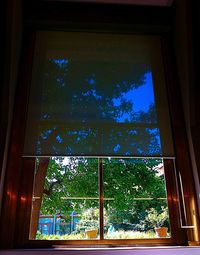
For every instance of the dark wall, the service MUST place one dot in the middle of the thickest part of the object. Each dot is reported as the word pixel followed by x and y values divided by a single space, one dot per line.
pixel 195 90
pixel 10 46
pixel 3 92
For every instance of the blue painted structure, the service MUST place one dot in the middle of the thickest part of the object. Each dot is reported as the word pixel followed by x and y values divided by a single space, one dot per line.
pixel 54 224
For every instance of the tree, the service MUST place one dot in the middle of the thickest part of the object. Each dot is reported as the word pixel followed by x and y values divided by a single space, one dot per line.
pixel 73 186
pixel 79 178
pixel 131 182
pixel 40 175
pixel 92 106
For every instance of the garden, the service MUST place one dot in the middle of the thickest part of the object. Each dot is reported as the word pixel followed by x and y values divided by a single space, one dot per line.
pixel 68 206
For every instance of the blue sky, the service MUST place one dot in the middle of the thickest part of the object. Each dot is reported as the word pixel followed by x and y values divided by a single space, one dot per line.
pixel 141 97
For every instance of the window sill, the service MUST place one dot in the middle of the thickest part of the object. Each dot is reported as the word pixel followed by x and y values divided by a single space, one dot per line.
pixel 178 250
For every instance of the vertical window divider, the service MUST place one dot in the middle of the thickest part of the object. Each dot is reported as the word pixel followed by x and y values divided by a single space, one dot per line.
pixel 101 224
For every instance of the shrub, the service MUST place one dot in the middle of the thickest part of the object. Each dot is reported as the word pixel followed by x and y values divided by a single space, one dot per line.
pixel 89 220
pixel 157 219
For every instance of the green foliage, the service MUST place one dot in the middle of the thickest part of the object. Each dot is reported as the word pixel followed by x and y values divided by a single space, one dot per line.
pixel 126 181
pixel 157 219
pixel 76 236
pixel 89 220
pixel 130 235
pixel 79 178
pixel 116 235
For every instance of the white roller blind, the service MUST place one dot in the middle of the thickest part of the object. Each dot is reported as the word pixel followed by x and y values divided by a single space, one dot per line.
pixel 97 94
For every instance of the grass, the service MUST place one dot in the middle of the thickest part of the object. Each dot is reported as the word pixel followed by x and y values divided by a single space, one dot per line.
pixel 116 235
pixel 130 235
pixel 40 236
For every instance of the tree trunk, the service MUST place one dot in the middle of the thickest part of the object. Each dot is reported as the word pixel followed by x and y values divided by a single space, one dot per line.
pixel 37 195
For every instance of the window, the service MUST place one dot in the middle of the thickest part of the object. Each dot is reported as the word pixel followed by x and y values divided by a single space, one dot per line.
pixel 99 198
pixel 97 121
pixel 119 132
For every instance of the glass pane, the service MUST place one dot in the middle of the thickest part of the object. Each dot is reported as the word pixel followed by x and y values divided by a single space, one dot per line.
pixel 66 199
pixel 123 140
pixel 135 203
pixel 89 88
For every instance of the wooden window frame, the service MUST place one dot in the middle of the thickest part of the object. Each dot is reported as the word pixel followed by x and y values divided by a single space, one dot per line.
pixel 16 204
pixel 25 204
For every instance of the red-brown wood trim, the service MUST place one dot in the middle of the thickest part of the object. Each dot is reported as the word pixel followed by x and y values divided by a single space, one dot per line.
pixel 183 163
pixel 98 243
pixel 13 170
pixel 24 201
pixel 101 207
pixel 178 235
